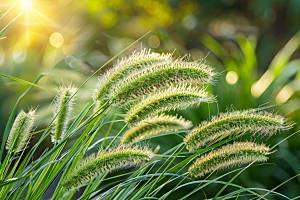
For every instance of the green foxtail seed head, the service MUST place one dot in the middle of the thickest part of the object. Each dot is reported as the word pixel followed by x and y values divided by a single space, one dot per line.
pixel 113 160
pixel 19 133
pixel 231 155
pixel 63 111
pixel 122 68
pixel 172 98
pixel 160 75
pixel 235 123
pixel 155 125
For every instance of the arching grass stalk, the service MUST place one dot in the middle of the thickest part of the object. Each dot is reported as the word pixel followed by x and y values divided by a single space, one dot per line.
pixel 123 67
pixel 155 125
pixel 110 161
pixel 235 123
pixel 20 131
pixel 160 75
pixel 172 98
pixel 238 153
pixel 62 111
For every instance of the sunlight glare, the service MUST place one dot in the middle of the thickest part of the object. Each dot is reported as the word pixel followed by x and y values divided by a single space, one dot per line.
pixel 26 4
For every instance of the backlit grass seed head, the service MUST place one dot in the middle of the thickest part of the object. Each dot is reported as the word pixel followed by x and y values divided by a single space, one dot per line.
pixel 160 75
pixel 124 67
pixel 110 161
pixel 235 123
pixel 172 98
pixel 155 125
pixel 228 156
pixel 19 133
pixel 63 111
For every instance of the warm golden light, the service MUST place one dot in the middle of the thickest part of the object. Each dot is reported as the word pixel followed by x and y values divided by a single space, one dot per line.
pixel 26 4
pixel 56 40
pixel 232 77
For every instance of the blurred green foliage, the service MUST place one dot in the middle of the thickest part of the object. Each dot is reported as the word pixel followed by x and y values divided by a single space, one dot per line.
pixel 253 44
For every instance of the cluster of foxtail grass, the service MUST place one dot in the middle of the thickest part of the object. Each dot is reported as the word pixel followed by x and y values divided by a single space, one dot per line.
pixel 232 124
pixel 148 84
pixel 145 85
pixel 121 69
pixel 152 88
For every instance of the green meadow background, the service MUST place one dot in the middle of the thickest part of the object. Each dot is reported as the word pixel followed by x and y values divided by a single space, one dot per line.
pixel 253 44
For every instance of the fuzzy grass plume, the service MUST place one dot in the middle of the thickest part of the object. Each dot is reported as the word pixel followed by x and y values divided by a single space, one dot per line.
pixel 160 75
pixel 19 133
pixel 113 160
pixel 228 156
pixel 235 123
pixel 123 67
pixel 172 98
pixel 155 125
pixel 62 111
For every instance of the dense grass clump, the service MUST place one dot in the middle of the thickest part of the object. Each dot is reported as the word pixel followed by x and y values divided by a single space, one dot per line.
pixel 139 89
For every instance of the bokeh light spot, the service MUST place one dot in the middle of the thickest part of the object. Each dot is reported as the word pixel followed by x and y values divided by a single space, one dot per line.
pixel 94 6
pixel 68 59
pixel 109 19
pixel 153 41
pixel 232 77
pixel 189 22
pixel 56 40
pixel 75 63
pixel 224 28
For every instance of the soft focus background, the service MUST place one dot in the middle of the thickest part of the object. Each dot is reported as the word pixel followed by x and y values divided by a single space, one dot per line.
pixel 254 44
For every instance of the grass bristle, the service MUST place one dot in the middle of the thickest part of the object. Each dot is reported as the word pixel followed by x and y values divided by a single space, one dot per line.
pixel 124 67
pixel 172 98
pixel 155 125
pixel 106 161
pixel 160 75
pixel 234 124
pixel 228 156
pixel 62 111
pixel 19 133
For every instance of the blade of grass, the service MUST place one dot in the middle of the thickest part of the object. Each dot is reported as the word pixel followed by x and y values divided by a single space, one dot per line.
pixel 222 189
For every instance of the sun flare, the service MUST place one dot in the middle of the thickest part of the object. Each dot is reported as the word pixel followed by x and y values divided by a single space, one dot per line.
pixel 26 4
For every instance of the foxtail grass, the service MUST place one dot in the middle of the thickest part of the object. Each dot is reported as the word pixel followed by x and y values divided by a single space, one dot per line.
pixel 121 69
pixel 159 75
pixel 172 98
pixel 234 124
pixel 106 161
pixel 155 125
pixel 228 156
pixel 62 110
pixel 20 131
